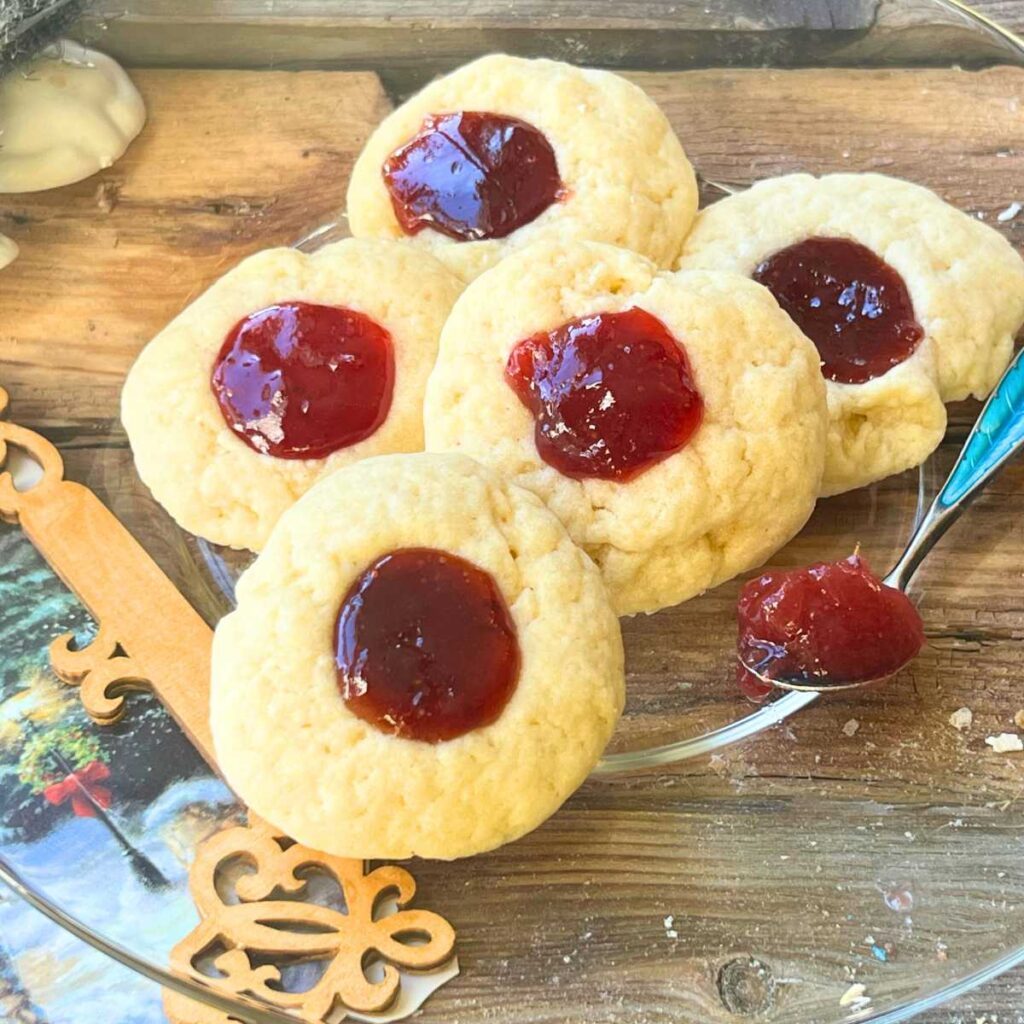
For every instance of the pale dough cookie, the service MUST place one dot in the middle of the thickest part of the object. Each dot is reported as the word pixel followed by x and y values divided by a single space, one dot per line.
pixel 197 467
pixel 965 281
pixel 627 180
pixel 65 116
pixel 288 743
pixel 740 488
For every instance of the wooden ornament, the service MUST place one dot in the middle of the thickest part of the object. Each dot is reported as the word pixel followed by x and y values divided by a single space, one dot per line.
pixel 253 920
pixel 150 638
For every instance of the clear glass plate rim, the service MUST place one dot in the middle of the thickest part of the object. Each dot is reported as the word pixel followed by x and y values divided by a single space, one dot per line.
pixel 627 761
pixel 260 1013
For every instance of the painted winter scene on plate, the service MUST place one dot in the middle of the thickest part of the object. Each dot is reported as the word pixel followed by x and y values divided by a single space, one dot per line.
pixel 102 820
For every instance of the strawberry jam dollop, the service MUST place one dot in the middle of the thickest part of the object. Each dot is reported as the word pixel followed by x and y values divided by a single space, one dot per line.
pixel 471 176
pixel 848 301
pixel 829 624
pixel 299 380
pixel 611 394
pixel 754 689
pixel 425 646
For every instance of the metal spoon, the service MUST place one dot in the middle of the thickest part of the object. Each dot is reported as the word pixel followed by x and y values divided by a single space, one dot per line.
pixel 996 437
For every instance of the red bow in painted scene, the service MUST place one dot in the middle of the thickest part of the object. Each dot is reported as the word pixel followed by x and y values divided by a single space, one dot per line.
pixel 79 783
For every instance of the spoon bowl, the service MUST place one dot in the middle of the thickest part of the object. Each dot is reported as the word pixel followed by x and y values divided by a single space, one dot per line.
pixel 995 439
pixel 802 686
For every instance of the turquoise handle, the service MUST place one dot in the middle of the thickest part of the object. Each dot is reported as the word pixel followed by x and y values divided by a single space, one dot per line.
pixel 997 434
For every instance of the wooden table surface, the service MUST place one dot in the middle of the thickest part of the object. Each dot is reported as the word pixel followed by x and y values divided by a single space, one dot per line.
pixel 188 200
pixel 1000 1001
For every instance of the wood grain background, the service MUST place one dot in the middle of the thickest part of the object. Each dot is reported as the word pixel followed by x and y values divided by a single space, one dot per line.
pixel 232 161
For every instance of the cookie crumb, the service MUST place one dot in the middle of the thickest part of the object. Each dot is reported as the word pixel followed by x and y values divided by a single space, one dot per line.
pixel 961 719
pixel 1009 213
pixel 1018 719
pixel 854 996
pixel 107 195
pixel 1005 742
pixel 851 727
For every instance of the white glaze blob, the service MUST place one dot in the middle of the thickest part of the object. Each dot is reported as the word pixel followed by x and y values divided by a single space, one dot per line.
pixel 64 116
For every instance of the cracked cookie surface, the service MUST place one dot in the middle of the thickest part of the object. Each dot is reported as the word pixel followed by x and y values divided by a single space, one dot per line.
pixel 743 484
pixel 964 279
pixel 199 468
pixel 290 746
pixel 625 177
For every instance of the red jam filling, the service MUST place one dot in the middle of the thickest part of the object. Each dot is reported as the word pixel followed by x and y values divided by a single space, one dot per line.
pixel 426 648
pixel 829 624
pixel 299 381
pixel 611 394
pixel 849 302
pixel 755 690
pixel 472 176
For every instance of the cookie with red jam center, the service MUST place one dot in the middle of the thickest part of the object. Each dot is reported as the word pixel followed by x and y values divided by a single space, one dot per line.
pixel 288 368
pixel 421 662
pixel 910 303
pixel 655 413
pixel 504 152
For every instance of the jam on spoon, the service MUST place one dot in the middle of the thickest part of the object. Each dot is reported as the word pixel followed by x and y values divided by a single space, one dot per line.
pixel 832 624
pixel 611 394
pixel 299 380
pixel 472 175
pixel 848 301
pixel 425 646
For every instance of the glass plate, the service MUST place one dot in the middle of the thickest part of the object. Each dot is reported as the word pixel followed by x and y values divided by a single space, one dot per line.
pixel 864 841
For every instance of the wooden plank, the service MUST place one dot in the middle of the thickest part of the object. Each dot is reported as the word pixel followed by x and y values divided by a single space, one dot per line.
pixel 272 157
pixel 389 35
pixel 958 132
pixel 754 16
pixel 1008 13
pixel 228 163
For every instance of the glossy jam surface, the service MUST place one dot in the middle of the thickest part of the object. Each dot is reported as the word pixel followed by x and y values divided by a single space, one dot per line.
pixel 299 381
pixel 829 624
pixel 755 690
pixel 425 646
pixel 611 394
pixel 849 302
pixel 472 175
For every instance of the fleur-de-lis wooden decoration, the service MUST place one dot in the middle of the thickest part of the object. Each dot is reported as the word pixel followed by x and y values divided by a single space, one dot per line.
pixel 254 921
pixel 149 637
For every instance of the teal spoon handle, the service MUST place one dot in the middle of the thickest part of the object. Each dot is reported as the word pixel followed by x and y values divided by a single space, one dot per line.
pixel 997 436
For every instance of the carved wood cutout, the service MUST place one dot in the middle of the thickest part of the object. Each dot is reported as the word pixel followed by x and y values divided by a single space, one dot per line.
pixel 150 638
pixel 252 930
